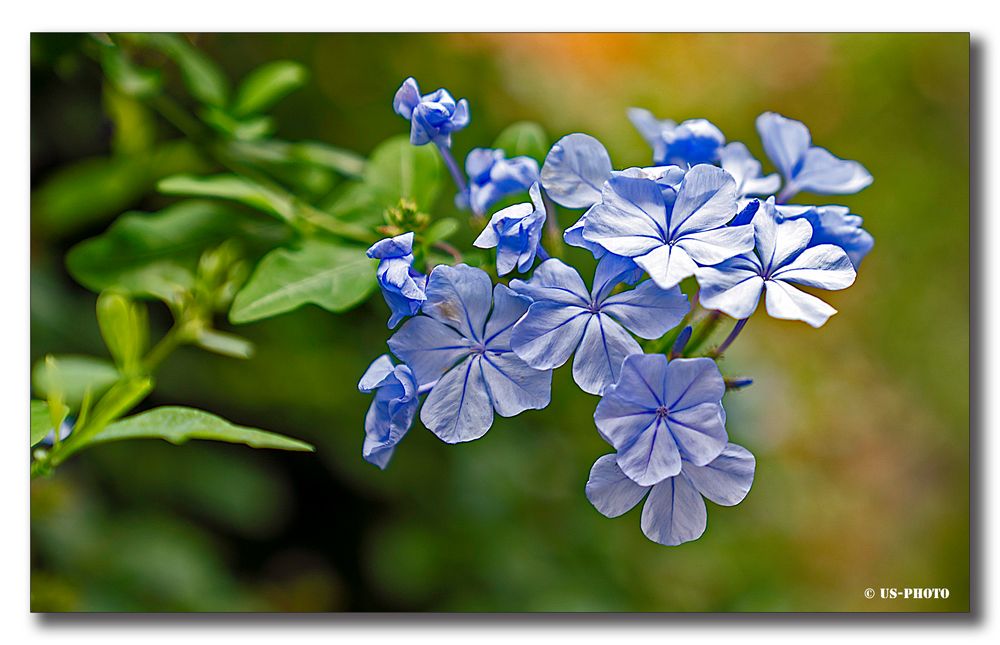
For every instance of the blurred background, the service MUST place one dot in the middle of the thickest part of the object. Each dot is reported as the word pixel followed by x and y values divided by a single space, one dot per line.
pixel 860 429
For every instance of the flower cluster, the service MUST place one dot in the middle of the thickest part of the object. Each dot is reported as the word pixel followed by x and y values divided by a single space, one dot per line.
pixel 700 233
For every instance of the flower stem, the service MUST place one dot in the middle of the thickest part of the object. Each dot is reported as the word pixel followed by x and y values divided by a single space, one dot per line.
pixel 449 160
pixel 702 332
pixel 542 254
pixel 718 351
pixel 455 254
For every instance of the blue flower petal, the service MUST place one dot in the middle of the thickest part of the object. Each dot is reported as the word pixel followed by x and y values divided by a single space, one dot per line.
pixel 691 382
pixel 631 219
pixel 549 333
pixel 727 479
pixel 746 171
pixel 600 354
pixel 788 303
pixel 667 265
pixel 706 199
pixel 392 247
pixel 513 385
pixel 460 297
pixel 407 97
pixel 574 171
pixel 732 287
pixel 674 512
pixel 825 267
pixel 458 408
pixel 714 246
pixel 429 347
pixel 699 431
pixel 833 225
pixel 554 280
pixel 822 172
pixel 785 141
pixel 610 490
pixel 508 307
pixel 648 311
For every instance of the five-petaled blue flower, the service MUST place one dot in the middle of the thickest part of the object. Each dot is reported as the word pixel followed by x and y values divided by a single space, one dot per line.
pixel 659 412
pixel 402 286
pixel 565 318
pixel 692 142
pixel 782 257
pixel 669 232
pixel 462 352
pixel 674 512
pixel 516 232
pixel 433 117
pixel 392 410
pixel 492 177
pixel 833 225
pixel 804 166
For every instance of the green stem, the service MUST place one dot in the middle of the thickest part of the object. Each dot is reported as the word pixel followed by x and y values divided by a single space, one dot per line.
pixel 703 332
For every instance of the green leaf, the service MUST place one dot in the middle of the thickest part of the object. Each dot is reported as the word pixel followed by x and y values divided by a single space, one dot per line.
pixel 100 187
pixel 442 229
pixel 313 153
pixel 178 424
pixel 398 169
pixel 524 138
pixel 225 344
pixel 128 78
pixel 247 129
pixel 73 377
pixel 268 84
pixel 232 187
pixel 152 254
pixel 333 276
pixel 203 77
pixel 134 127
pixel 125 328
pixel 41 421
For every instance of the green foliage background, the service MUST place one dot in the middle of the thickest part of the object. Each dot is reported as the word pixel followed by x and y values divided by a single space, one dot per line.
pixel 861 429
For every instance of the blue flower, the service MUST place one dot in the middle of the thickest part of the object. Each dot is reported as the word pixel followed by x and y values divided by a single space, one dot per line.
pixel 659 412
pixel 782 258
pixel 693 142
pixel 804 166
pixel 833 225
pixel 461 351
pixel 669 178
pixel 392 410
pixel 492 177
pixel 674 512
pixel 433 117
pixel 738 162
pixel 402 286
pixel 565 318
pixel 575 169
pixel 669 232
pixel 516 232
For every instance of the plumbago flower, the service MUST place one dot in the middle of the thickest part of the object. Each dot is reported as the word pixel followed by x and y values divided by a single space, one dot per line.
pixel 674 512
pixel 515 232
pixel 805 166
pixel 659 412
pixel 565 318
pixel 693 142
pixel 666 232
pixel 402 286
pixel 493 177
pixel 461 351
pixel 392 410
pixel 782 257
pixel 433 117
pixel 705 209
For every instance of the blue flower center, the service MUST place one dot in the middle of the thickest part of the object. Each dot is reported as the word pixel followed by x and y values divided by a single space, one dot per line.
pixel 479 348
pixel 662 411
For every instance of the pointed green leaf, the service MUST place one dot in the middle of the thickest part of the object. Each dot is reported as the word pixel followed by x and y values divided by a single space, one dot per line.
pixel 398 169
pixel 268 84
pixel 224 344
pixel 203 77
pixel 178 424
pixel 333 276
pixel 153 254
pixel 41 421
pixel 524 138
pixel 73 376
pixel 232 187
